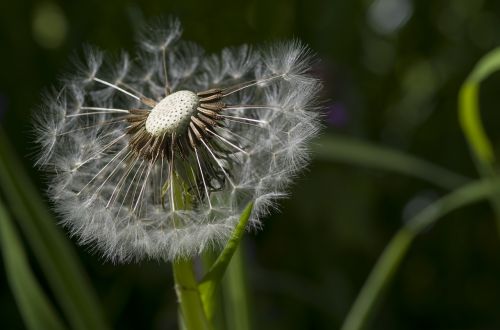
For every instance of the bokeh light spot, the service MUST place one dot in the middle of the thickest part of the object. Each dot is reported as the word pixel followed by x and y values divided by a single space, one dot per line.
pixel 49 25
pixel 388 16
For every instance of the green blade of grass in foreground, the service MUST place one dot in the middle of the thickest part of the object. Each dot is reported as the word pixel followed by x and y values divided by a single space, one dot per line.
pixel 236 300
pixel 470 120
pixel 357 152
pixel 214 275
pixel 52 250
pixel 36 310
pixel 387 265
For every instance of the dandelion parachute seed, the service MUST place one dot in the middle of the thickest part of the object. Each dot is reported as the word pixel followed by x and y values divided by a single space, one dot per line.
pixel 157 158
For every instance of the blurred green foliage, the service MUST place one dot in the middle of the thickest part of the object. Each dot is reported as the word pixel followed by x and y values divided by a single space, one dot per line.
pixel 392 71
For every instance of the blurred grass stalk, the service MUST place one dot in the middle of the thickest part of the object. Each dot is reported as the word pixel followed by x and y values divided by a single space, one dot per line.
pixel 52 250
pixel 384 270
pixel 470 120
pixel 35 308
pixel 366 154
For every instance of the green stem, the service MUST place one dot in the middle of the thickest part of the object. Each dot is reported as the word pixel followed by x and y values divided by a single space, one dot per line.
pixel 213 277
pixel 235 293
pixel 215 315
pixel 188 295
pixel 192 312
pixel 388 263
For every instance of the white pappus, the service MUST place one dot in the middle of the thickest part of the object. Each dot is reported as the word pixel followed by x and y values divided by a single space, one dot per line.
pixel 157 157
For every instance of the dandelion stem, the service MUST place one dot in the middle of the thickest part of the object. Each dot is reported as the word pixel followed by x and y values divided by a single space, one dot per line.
pixel 188 295
pixel 186 286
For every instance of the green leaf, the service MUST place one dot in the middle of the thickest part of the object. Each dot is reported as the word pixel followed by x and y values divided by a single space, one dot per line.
pixel 214 275
pixel 351 151
pixel 387 265
pixel 470 120
pixel 52 250
pixel 36 310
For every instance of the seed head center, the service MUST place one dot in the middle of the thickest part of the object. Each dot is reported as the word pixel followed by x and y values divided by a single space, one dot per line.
pixel 172 114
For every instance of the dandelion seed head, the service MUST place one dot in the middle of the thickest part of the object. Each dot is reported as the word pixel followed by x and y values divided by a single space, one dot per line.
pixel 157 155
pixel 172 114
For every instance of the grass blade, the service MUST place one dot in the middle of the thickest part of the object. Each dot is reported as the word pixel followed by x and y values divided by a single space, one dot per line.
pixel 351 151
pixel 52 250
pixel 387 265
pixel 470 120
pixel 36 310
pixel 235 292
pixel 213 277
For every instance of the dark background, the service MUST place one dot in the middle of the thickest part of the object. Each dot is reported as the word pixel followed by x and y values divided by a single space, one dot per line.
pixel 392 70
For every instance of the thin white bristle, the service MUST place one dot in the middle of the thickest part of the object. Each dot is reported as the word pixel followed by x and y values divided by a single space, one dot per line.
pixel 117 88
